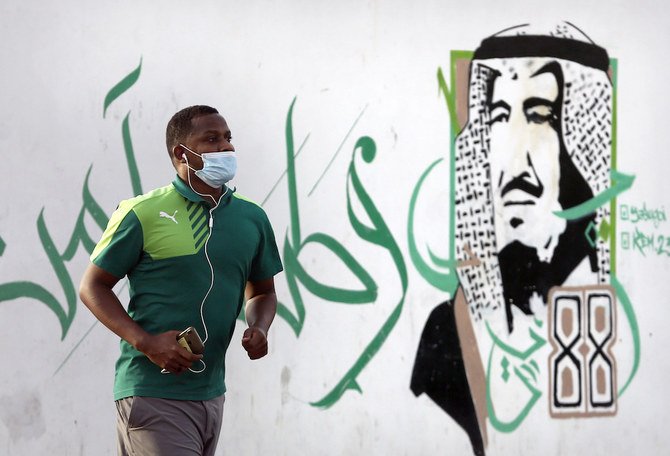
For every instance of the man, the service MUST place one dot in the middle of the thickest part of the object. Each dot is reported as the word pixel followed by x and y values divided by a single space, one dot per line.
pixel 533 179
pixel 193 252
pixel 537 143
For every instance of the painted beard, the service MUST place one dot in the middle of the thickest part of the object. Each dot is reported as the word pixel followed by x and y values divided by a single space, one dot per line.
pixel 523 274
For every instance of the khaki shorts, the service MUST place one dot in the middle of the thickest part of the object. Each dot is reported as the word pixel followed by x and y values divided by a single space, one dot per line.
pixel 149 426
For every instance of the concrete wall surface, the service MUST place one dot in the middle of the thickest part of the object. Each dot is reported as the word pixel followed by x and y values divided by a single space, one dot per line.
pixel 360 109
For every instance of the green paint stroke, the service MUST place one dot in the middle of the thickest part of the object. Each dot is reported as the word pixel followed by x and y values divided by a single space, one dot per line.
pixel 76 346
pixel 295 321
pixel 450 99
pixel 347 296
pixel 130 157
pixel 448 280
pixel 80 235
pixel 538 342
pixel 118 90
pixel 530 372
pixel 509 426
pixel 620 183
pixel 445 281
pixel 614 65
pixel 291 176
pixel 634 329
pixel 25 289
pixel 30 290
pixel 295 271
pixel 378 234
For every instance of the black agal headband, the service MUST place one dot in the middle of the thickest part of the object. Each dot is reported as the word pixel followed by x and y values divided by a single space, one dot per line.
pixel 543 46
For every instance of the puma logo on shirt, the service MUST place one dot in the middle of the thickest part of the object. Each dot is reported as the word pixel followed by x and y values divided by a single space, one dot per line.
pixel 168 216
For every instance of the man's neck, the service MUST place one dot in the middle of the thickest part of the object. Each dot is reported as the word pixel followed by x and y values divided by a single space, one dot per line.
pixel 209 194
pixel 213 195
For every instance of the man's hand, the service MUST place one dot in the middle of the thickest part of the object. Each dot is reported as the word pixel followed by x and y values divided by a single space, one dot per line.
pixel 96 292
pixel 259 311
pixel 164 351
pixel 255 342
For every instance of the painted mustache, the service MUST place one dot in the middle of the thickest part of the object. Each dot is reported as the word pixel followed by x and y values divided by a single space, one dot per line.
pixel 525 182
pixel 522 183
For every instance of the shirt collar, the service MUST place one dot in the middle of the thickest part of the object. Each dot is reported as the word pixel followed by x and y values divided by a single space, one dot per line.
pixel 188 193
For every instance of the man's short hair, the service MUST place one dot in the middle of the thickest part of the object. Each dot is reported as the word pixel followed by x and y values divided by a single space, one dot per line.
pixel 179 126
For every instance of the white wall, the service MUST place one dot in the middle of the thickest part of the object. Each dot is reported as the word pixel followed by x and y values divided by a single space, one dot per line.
pixel 340 60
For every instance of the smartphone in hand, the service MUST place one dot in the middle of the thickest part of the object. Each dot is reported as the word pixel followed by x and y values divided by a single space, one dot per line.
pixel 191 341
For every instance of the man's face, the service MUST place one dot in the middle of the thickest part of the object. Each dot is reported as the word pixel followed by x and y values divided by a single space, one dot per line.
pixel 524 154
pixel 210 133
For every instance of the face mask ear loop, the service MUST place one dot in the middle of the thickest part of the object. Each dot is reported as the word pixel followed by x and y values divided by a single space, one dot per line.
pixel 216 203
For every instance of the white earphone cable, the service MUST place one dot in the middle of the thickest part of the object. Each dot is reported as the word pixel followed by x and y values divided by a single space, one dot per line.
pixel 209 262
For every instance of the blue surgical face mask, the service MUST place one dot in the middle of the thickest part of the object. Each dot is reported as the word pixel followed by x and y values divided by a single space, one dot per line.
pixel 218 167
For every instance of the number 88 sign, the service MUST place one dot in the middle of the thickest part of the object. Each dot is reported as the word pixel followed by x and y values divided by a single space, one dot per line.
pixel 582 368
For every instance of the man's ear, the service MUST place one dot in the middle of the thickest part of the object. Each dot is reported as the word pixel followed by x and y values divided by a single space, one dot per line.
pixel 178 153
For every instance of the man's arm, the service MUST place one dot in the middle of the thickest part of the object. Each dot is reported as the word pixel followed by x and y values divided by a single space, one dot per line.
pixel 260 309
pixel 96 292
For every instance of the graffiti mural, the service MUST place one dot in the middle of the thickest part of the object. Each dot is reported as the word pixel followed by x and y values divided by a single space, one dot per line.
pixel 370 226
pixel 80 235
pixel 537 305
pixel 535 310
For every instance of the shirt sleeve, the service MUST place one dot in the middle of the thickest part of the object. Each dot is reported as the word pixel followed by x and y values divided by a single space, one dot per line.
pixel 267 262
pixel 120 247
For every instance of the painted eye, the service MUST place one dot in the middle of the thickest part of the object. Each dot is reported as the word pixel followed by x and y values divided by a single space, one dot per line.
pixel 540 114
pixel 498 114
pixel 499 117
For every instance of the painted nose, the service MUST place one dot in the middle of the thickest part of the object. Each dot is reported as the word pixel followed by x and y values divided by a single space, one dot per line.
pixel 524 179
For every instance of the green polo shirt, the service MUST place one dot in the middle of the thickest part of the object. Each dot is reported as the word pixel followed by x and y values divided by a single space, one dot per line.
pixel 182 258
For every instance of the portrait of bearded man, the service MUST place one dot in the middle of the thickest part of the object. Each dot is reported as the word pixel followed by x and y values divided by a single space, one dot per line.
pixel 537 143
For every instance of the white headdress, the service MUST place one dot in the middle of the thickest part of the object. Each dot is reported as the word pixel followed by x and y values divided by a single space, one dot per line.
pixel 586 117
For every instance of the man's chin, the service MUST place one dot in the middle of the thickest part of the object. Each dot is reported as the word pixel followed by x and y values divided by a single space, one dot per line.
pixel 523 275
pixel 534 235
